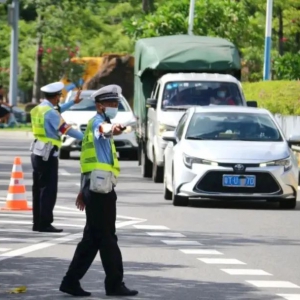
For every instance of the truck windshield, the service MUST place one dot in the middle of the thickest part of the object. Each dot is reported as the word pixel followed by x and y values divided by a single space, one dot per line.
pixel 181 93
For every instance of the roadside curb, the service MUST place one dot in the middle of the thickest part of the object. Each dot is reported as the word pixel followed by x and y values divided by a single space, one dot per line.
pixel 11 134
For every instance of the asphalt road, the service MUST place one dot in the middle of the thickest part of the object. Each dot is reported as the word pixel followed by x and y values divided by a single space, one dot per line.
pixel 209 250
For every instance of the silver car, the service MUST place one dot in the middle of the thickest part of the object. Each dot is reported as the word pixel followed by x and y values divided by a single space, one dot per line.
pixel 229 152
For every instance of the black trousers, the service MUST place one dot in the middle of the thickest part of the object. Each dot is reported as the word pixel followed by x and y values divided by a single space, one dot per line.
pixel 99 235
pixel 44 189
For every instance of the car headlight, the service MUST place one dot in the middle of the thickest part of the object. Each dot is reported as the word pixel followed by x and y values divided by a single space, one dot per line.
pixel 286 163
pixel 163 128
pixel 189 161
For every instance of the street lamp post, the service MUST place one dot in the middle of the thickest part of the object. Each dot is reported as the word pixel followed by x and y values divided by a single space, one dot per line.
pixel 268 41
pixel 13 18
pixel 191 17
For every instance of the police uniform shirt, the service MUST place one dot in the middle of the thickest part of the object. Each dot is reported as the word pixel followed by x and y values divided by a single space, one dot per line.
pixel 55 125
pixel 101 141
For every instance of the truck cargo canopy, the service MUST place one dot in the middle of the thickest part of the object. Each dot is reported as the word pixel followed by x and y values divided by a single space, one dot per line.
pixel 185 53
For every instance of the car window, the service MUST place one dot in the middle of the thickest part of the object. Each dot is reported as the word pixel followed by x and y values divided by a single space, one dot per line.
pixel 88 104
pixel 180 127
pixel 233 126
pixel 179 93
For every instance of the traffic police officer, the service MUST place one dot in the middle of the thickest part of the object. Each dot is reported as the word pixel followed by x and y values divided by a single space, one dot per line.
pixel 99 168
pixel 47 127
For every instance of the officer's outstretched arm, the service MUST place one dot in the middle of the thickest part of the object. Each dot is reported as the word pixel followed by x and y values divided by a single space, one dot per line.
pixel 75 134
pixel 59 124
pixel 66 106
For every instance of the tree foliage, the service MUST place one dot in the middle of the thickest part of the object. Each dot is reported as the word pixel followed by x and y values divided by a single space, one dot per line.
pixel 97 26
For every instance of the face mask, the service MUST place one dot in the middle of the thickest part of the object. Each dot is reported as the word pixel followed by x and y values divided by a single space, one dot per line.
pixel 221 94
pixel 111 112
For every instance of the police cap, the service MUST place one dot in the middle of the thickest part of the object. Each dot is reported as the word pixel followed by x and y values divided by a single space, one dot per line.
pixel 110 92
pixel 53 89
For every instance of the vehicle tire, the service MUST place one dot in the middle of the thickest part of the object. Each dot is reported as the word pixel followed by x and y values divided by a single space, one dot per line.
pixel 180 200
pixel 133 154
pixel 288 203
pixel 157 172
pixel 64 154
pixel 167 192
pixel 146 165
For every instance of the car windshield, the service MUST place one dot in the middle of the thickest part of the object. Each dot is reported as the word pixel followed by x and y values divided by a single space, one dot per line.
pixel 233 126
pixel 181 93
pixel 88 104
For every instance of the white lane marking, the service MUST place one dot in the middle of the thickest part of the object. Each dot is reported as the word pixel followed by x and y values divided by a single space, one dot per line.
pixel 64 172
pixel 272 284
pixel 201 251
pixel 290 296
pixel 166 234
pixel 180 242
pixel 52 242
pixel 4 249
pixel 30 216
pixel 246 272
pixel 26 240
pixel 39 246
pixel 9 230
pixel 30 223
pixel 127 223
pixel 131 218
pixel 222 261
pixel 67 208
pixel 150 227
pixel 78 184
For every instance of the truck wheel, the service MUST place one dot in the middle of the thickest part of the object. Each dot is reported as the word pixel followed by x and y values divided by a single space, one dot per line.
pixel 146 165
pixel 157 172
pixel 64 154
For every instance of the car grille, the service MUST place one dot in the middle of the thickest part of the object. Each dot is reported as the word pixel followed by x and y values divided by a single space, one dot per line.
pixel 83 128
pixel 212 182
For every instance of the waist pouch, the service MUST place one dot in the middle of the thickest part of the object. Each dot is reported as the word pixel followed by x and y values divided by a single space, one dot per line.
pixel 102 181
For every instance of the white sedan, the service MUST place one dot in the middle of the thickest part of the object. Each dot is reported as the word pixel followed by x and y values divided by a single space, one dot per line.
pixel 230 153
pixel 79 115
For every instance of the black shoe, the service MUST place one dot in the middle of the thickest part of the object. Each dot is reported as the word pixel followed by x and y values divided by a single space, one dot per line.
pixel 122 290
pixel 35 228
pixel 76 291
pixel 50 229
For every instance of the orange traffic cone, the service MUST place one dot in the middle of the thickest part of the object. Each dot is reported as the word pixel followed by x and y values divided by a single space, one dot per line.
pixel 16 197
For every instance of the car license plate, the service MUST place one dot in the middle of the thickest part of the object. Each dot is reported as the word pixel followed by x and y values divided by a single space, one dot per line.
pixel 239 180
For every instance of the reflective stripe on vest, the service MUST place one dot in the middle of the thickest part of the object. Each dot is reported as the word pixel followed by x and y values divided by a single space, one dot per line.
pixel 38 125
pixel 88 157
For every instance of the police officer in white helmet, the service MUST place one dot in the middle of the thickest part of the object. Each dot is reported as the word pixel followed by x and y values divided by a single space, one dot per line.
pixel 100 169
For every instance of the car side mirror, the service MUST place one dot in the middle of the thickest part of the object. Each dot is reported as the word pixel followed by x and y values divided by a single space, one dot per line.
pixel 294 139
pixel 252 103
pixel 151 103
pixel 169 136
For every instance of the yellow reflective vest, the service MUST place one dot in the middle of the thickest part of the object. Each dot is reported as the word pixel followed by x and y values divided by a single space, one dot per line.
pixel 88 158
pixel 38 125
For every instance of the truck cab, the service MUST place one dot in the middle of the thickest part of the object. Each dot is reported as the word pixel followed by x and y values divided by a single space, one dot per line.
pixel 172 95
pixel 172 73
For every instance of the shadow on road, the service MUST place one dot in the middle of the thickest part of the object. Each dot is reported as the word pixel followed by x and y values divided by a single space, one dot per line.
pixel 42 277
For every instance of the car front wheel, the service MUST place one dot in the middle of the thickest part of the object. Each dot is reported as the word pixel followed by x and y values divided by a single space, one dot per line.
pixel 64 154
pixel 288 203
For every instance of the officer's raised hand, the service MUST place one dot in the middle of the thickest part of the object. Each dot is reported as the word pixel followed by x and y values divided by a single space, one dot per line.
pixel 77 98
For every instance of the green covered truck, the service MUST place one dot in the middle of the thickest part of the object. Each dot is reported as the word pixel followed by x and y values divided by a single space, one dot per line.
pixel 172 73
